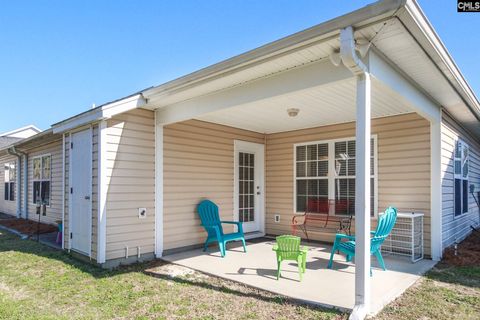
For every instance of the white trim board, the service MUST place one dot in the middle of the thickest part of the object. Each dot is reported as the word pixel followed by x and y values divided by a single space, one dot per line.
pixel 158 189
pixel 102 192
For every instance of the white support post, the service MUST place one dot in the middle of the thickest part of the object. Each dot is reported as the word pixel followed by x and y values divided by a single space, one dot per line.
pixel 18 185
pixel 362 198
pixel 436 189
pixel 362 180
pixel 25 185
pixel 102 193
pixel 158 188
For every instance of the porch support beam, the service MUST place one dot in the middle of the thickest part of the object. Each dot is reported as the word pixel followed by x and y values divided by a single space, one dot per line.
pixel 301 78
pixel 158 189
pixel 436 190
pixel 386 72
pixel 362 167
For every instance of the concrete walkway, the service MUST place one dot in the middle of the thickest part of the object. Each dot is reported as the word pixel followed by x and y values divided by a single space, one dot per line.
pixel 331 288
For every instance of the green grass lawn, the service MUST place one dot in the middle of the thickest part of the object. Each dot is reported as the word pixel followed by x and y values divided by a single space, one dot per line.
pixel 37 282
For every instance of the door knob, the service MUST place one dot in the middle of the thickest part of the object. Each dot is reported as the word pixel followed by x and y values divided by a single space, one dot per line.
pixel 87 197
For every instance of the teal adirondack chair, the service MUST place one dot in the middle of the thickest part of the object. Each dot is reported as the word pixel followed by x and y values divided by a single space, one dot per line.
pixel 208 212
pixel 288 248
pixel 385 225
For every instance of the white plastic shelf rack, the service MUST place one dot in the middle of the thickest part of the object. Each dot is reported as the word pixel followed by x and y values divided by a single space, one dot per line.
pixel 406 238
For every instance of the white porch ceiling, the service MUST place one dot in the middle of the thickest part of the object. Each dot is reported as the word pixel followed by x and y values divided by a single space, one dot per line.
pixel 324 105
pixel 399 40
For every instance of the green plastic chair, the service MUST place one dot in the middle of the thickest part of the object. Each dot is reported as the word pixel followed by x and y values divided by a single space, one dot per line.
pixel 386 222
pixel 288 248
pixel 208 212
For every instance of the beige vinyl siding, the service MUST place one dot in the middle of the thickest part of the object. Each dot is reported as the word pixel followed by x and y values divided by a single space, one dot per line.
pixel 403 169
pixel 131 183
pixel 7 206
pixel 198 164
pixel 54 210
pixel 456 228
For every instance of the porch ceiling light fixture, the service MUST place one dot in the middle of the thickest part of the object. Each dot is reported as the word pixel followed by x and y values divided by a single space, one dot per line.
pixel 293 112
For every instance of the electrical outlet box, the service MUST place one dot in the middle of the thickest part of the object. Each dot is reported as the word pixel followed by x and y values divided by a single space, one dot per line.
pixel 277 218
pixel 142 213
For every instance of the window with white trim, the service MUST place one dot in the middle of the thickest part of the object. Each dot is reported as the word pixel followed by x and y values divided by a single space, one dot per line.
pixel 42 179
pixel 10 172
pixel 461 161
pixel 326 170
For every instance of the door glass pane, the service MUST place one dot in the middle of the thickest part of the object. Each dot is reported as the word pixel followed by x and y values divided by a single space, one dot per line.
pixel 246 192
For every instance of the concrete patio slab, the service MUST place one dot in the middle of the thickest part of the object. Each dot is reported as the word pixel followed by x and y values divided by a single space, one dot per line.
pixel 321 286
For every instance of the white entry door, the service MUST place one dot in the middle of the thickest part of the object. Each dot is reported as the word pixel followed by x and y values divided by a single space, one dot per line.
pixel 81 191
pixel 249 185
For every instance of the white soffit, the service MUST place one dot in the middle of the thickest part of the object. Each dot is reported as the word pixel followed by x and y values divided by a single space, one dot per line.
pixel 324 105
pixel 395 43
pixel 283 62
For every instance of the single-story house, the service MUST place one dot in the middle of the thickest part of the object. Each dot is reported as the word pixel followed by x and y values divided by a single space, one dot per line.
pixel 368 107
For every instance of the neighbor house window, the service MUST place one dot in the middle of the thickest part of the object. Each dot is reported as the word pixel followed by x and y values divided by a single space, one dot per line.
pixel 10 173
pixel 325 173
pixel 41 179
pixel 461 160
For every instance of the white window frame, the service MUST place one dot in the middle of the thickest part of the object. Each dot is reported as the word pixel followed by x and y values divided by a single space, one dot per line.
pixel 331 169
pixel 41 178
pixel 460 176
pixel 10 181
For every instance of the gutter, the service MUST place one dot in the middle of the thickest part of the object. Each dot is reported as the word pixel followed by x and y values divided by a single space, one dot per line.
pixel 14 152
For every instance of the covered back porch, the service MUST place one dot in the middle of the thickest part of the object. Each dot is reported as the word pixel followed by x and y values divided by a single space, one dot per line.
pixel 333 120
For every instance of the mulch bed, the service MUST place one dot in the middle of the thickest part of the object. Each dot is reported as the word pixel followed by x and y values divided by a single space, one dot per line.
pixel 27 227
pixel 468 252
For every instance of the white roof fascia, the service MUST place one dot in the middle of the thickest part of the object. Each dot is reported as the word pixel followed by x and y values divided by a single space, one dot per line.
pixel 364 16
pixel 436 50
pixel 31 127
pixel 100 113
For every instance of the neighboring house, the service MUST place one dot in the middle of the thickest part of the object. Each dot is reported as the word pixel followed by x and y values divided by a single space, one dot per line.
pixel 21 133
pixel 126 177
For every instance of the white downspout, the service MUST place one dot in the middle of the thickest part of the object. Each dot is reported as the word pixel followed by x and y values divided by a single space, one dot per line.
pixel 362 182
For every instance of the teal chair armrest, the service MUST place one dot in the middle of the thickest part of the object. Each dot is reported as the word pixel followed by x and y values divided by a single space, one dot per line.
pixel 340 236
pixel 275 247
pixel 239 225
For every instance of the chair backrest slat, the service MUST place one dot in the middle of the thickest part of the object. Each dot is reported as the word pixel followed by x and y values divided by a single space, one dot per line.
pixel 386 222
pixel 287 243
pixel 208 212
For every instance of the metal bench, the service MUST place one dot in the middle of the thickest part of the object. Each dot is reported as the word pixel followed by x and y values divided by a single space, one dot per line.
pixel 320 214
